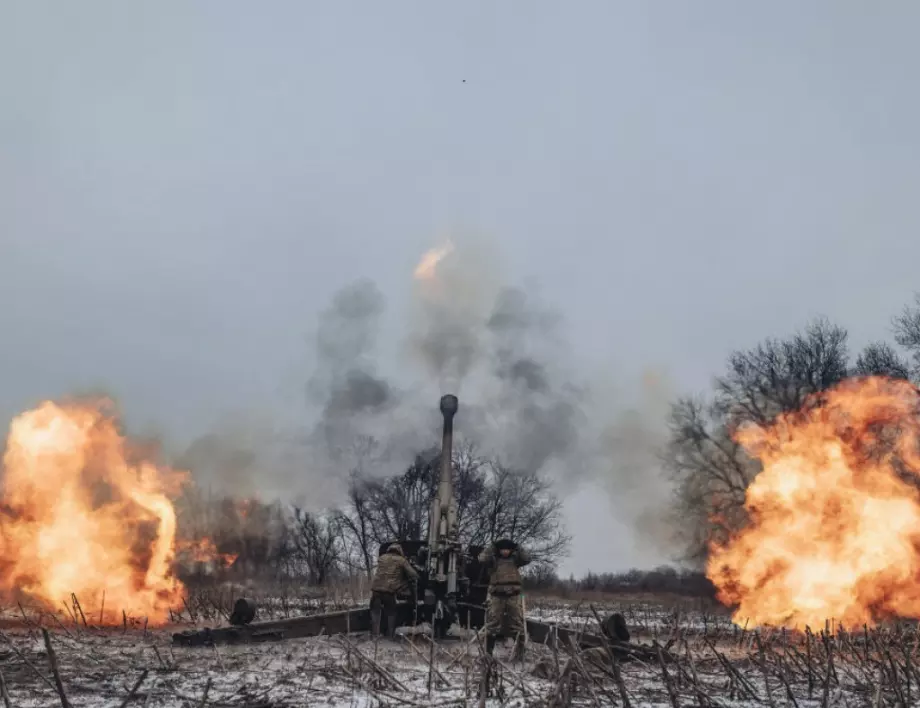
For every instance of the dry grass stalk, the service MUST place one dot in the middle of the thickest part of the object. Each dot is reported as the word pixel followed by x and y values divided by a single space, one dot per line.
pixel 52 660
pixel 134 689
pixel 4 693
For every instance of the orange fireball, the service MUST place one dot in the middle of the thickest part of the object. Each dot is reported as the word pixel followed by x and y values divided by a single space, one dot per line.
pixel 834 515
pixel 79 516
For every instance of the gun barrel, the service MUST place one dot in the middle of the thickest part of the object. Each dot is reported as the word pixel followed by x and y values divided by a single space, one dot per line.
pixel 449 406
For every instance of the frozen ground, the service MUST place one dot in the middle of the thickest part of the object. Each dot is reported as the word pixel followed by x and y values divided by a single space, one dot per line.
pixel 646 617
pixel 714 664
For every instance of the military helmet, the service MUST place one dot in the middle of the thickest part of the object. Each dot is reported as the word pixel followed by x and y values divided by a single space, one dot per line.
pixel 395 548
pixel 505 544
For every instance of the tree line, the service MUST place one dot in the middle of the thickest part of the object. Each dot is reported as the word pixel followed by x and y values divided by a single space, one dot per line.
pixel 274 540
pixel 711 471
pixel 662 580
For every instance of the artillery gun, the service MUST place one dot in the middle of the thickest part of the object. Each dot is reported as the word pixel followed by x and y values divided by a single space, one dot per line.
pixel 452 587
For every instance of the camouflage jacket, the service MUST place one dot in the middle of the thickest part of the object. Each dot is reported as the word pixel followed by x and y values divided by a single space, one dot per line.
pixel 392 574
pixel 505 574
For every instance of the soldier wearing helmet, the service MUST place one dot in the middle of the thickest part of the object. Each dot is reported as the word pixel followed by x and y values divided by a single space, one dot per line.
pixel 504 616
pixel 392 574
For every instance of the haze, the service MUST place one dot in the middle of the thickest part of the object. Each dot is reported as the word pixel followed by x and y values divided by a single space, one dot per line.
pixel 184 187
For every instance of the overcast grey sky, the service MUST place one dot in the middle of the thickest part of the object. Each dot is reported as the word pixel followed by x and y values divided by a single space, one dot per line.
pixel 184 185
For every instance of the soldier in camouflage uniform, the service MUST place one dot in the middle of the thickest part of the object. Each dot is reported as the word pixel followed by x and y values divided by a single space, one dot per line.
pixel 393 573
pixel 504 615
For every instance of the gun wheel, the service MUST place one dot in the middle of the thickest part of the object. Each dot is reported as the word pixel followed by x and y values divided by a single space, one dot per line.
pixel 615 627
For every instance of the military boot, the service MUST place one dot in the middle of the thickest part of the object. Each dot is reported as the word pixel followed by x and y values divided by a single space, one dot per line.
pixel 391 625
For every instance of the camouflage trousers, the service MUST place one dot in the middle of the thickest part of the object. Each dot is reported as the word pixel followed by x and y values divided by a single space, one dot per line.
pixel 383 604
pixel 504 616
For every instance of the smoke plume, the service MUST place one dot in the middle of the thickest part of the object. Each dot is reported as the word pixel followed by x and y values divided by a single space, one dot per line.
pixel 630 467
pixel 526 400
pixel 455 289
pixel 523 398
pixel 364 421
pixel 345 384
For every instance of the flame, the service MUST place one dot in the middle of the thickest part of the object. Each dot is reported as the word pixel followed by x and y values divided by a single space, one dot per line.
pixel 79 516
pixel 834 514
pixel 204 550
pixel 427 266
pixel 244 507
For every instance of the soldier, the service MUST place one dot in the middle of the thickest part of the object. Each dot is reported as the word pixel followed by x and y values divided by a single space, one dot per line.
pixel 392 574
pixel 504 616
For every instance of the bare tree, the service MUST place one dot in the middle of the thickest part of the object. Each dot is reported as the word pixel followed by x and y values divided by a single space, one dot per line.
pixel 778 375
pixel 470 483
pixel 711 471
pixel 355 526
pixel 317 541
pixel 399 505
pixel 880 359
pixel 492 501
pixel 907 331
pixel 521 505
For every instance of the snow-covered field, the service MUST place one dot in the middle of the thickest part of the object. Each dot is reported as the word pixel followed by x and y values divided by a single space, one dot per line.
pixel 712 663
pixel 645 616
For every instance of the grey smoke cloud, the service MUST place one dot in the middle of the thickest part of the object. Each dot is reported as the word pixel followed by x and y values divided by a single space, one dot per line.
pixel 253 456
pixel 630 468
pixel 345 384
pixel 532 403
pixel 524 399
pixel 363 419
pixel 502 349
